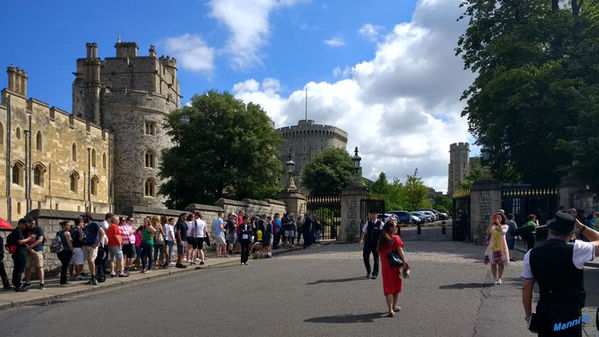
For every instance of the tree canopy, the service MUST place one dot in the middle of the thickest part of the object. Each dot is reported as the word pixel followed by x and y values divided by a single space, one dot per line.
pixel 222 148
pixel 535 101
pixel 329 172
pixel 411 195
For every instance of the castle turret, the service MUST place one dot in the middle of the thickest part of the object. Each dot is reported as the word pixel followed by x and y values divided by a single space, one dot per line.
pixel 17 80
pixel 134 93
pixel 459 165
pixel 304 140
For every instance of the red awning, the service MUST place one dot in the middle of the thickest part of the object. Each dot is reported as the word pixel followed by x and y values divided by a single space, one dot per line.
pixel 5 224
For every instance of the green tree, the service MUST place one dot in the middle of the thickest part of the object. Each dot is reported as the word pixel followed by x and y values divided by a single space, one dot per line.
pixel 393 192
pixel 536 92
pixel 416 193
pixel 470 179
pixel 222 148
pixel 442 204
pixel 329 172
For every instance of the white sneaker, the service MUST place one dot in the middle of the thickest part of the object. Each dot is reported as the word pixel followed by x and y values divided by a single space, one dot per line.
pixel 499 281
pixel 495 282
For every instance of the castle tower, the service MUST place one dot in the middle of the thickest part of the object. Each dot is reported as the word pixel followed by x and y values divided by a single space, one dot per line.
pixel 304 141
pixel 459 165
pixel 129 95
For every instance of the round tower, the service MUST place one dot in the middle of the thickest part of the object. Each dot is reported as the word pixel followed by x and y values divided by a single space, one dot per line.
pixel 136 93
pixel 459 165
pixel 305 140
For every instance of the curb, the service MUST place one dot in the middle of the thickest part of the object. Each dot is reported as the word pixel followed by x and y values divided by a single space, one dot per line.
pixel 45 300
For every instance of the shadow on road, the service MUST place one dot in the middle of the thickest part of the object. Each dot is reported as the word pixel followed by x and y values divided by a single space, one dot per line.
pixel 364 318
pixel 350 279
pixel 466 286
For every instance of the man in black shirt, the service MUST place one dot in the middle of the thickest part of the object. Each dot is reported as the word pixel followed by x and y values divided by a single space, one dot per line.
pixel 19 256
pixel 371 231
pixel 181 237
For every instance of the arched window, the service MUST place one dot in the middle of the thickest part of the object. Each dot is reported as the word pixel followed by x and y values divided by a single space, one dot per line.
pixel 74 152
pixel 150 188
pixel 94 186
pixel 18 132
pixel 150 159
pixel 38 141
pixel 104 160
pixel 38 175
pixel 17 173
pixel 93 157
pixel 74 179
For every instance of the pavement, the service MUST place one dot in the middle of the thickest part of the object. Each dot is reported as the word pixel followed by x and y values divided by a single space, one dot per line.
pixel 55 292
pixel 320 291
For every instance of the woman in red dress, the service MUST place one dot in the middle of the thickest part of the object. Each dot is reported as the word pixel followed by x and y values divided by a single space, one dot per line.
pixel 391 281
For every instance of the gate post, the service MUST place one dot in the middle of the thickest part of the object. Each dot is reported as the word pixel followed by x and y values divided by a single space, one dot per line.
pixel 485 200
pixel 351 202
pixel 295 201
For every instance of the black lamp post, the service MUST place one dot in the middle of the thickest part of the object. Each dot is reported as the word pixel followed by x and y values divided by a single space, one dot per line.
pixel 290 165
pixel 357 169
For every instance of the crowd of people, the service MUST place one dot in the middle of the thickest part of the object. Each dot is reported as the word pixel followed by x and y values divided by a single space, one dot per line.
pixel 115 247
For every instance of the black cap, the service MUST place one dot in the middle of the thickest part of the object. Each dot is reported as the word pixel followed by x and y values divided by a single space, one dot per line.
pixel 22 221
pixel 373 211
pixel 87 215
pixel 564 223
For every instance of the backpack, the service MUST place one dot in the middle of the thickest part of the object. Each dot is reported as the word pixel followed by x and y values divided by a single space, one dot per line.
pixel 56 245
pixel 11 243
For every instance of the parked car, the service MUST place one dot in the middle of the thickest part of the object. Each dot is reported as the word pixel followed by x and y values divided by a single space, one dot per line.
pixel 402 216
pixel 386 217
pixel 423 217
pixel 431 215
pixel 443 216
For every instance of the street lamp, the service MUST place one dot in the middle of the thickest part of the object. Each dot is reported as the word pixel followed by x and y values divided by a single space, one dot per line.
pixel 290 164
pixel 356 161
pixel 485 155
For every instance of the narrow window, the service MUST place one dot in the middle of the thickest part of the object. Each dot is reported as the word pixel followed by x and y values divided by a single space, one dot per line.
pixel 93 158
pixel 150 188
pixel 38 175
pixel 94 187
pixel 18 133
pixel 74 152
pixel 1 134
pixel 74 179
pixel 150 128
pixel 150 159
pixel 38 141
pixel 104 160
pixel 17 174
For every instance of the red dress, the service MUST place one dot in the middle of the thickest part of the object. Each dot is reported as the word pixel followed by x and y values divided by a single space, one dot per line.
pixel 391 279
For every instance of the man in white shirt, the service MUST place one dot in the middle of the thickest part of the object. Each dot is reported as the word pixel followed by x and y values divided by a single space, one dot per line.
pixel 371 232
pixel 199 233
pixel 557 266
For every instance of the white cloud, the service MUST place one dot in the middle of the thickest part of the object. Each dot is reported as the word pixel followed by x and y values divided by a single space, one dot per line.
pixel 371 32
pixel 334 42
pixel 401 107
pixel 247 21
pixel 342 72
pixel 191 52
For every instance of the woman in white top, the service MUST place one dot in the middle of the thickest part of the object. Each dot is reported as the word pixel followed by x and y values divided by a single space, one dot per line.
pixel 169 239
pixel 497 253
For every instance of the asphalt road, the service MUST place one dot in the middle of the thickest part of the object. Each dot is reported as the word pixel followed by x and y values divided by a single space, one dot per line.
pixel 320 291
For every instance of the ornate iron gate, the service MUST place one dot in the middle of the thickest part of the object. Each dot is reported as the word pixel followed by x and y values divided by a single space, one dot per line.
pixel 522 201
pixel 328 210
pixel 372 202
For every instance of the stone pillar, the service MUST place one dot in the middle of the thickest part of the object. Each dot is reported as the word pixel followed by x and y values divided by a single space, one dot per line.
pixel 295 201
pixel 351 200
pixel 573 193
pixel 485 200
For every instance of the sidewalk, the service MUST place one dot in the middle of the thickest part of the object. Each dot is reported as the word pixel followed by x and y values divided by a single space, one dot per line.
pixel 55 292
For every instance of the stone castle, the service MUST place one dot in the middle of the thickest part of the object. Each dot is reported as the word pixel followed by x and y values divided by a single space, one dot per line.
pixel 460 165
pixel 304 140
pixel 102 157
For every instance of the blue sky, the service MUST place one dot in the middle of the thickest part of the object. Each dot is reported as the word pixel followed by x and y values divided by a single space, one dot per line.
pixel 369 66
